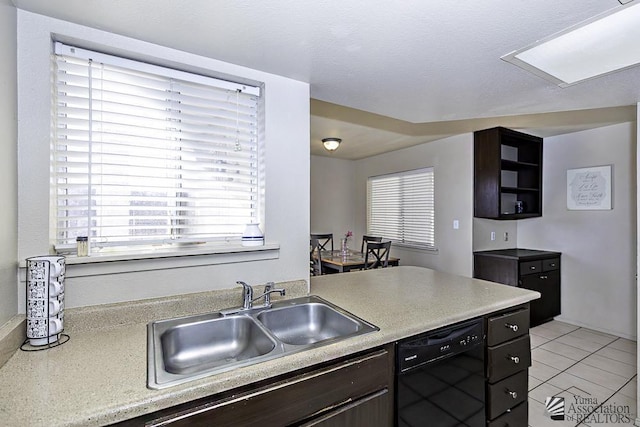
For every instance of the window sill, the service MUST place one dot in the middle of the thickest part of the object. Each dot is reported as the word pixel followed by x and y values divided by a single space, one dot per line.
pixel 414 248
pixel 114 263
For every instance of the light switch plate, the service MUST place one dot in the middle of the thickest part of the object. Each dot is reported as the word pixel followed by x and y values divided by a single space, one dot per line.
pixel 456 224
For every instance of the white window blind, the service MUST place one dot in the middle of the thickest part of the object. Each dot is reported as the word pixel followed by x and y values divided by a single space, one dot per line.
pixel 400 207
pixel 146 155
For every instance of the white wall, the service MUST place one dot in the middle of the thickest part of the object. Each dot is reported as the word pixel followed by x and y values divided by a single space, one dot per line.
pixel 482 229
pixel 598 247
pixel 332 205
pixel 287 171
pixel 452 159
pixel 8 156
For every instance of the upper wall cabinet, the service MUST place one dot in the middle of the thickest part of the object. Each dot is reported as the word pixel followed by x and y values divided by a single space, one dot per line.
pixel 507 174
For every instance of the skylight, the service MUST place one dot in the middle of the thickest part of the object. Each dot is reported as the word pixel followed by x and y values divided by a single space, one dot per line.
pixel 599 46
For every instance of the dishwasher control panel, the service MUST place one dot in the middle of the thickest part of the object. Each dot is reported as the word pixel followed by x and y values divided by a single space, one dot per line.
pixel 439 344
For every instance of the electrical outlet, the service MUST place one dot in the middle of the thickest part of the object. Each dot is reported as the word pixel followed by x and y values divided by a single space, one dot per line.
pixel 493 235
pixel 506 236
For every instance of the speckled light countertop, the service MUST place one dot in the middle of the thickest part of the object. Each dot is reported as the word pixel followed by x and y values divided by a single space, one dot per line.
pixel 99 376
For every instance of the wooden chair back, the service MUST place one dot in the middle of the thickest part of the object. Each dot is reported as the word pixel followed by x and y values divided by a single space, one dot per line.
pixel 324 240
pixel 377 255
pixel 366 239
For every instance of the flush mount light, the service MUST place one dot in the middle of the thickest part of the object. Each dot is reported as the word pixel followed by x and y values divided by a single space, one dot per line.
pixel 598 46
pixel 331 144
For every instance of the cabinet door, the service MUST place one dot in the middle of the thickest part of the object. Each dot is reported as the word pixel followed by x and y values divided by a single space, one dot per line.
pixel 548 284
pixel 290 400
pixel 370 411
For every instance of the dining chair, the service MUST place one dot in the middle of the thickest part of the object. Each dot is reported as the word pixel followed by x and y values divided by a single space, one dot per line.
pixel 324 240
pixel 315 259
pixel 378 253
pixel 366 239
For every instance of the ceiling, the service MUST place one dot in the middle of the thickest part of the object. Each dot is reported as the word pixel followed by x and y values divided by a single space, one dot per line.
pixel 384 75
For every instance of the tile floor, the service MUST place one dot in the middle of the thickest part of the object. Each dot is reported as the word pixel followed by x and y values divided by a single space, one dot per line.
pixel 594 372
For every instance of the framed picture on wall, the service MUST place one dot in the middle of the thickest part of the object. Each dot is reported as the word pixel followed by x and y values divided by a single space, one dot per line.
pixel 589 188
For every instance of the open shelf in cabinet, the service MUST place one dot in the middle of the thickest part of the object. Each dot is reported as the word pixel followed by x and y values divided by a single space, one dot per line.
pixel 507 174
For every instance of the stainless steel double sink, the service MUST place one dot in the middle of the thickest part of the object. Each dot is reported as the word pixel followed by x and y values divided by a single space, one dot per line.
pixel 188 348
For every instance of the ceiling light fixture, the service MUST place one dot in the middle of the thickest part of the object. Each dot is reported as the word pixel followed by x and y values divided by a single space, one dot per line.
pixel 601 45
pixel 331 144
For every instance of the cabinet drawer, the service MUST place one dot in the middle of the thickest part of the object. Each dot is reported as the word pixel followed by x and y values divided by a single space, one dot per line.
pixel 516 417
pixel 507 326
pixel 370 411
pixel 530 267
pixel 551 264
pixel 507 359
pixel 507 393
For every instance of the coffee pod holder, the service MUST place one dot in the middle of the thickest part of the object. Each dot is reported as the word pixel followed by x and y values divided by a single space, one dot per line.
pixel 45 303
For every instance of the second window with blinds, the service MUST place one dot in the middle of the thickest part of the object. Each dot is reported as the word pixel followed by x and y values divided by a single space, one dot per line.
pixel 401 208
pixel 145 155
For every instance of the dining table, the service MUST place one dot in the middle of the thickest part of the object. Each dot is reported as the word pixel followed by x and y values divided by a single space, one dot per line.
pixel 337 262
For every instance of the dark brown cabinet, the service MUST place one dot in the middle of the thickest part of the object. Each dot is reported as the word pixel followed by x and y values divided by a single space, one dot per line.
pixel 548 284
pixel 354 391
pixel 508 357
pixel 525 268
pixel 507 174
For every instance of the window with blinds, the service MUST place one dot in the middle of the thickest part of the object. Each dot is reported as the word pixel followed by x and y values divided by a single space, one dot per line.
pixel 400 207
pixel 147 155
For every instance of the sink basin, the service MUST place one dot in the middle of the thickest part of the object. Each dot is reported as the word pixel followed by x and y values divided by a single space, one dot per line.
pixel 194 347
pixel 308 323
pixel 187 348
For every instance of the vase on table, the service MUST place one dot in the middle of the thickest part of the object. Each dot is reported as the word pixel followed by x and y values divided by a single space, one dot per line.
pixel 344 250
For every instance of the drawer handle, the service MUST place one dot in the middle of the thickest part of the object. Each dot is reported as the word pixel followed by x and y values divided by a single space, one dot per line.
pixel 514 328
pixel 514 359
pixel 553 264
pixel 532 267
pixel 513 394
pixel 544 277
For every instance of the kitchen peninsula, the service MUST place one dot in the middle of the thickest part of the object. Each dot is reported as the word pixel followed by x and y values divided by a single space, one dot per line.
pixel 99 376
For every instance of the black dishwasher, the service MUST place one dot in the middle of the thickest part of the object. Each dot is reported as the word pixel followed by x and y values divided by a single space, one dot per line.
pixel 440 378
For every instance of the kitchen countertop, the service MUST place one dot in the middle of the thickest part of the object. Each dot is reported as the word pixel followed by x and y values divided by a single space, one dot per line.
pixel 99 376
pixel 517 253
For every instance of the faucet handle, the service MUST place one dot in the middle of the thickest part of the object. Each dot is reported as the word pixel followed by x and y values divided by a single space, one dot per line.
pixel 247 295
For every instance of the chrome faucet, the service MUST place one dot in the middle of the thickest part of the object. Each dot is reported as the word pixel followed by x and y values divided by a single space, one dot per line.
pixel 247 294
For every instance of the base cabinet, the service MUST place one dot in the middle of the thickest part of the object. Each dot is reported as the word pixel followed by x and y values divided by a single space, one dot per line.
pixel 354 391
pixel 530 269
